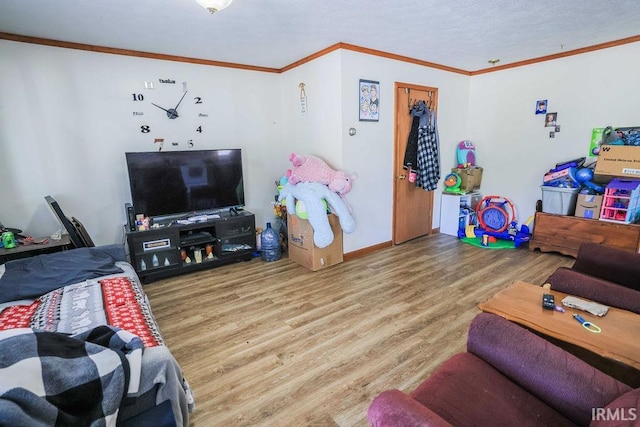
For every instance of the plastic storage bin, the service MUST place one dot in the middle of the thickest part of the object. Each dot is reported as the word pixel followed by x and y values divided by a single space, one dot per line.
pixel 556 200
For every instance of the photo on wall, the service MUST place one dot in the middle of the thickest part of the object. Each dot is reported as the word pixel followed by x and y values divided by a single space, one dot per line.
pixel 541 106
pixel 369 103
pixel 551 120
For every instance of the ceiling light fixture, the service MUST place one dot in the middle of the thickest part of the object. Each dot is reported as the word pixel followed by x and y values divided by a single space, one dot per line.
pixel 493 61
pixel 214 5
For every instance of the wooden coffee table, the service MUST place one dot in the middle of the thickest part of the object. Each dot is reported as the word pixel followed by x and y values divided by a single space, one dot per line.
pixel 521 303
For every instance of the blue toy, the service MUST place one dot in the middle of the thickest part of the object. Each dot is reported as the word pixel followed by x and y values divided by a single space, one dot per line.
pixel 584 177
pixel 573 174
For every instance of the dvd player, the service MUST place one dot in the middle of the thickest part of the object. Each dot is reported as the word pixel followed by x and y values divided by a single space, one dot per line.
pixel 197 237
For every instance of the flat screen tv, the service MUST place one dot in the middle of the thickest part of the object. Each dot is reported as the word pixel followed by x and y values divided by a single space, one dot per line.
pixel 176 183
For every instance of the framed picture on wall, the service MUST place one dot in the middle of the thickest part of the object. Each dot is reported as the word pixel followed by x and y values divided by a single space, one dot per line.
pixel 369 105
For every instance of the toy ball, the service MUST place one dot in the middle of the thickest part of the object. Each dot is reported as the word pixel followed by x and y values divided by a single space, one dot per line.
pixel 301 209
pixel 584 175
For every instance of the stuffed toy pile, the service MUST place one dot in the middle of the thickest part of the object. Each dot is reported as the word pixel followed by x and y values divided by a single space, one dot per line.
pixel 311 181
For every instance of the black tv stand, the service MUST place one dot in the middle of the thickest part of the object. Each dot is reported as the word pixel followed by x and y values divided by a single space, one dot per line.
pixel 172 249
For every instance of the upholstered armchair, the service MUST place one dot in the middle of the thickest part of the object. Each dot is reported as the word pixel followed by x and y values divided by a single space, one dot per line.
pixel 605 274
pixel 507 377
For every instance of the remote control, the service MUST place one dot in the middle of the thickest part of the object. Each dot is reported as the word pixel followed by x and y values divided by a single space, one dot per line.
pixel 548 302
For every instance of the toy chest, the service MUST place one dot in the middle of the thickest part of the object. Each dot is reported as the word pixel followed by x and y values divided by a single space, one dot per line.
pixel 621 201
pixel 558 200
pixel 471 178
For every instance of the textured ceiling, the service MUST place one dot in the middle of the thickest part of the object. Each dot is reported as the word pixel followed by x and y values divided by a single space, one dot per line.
pixel 462 34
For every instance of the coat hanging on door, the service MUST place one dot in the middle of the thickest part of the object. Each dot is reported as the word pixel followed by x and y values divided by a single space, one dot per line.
pixel 422 153
pixel 420 119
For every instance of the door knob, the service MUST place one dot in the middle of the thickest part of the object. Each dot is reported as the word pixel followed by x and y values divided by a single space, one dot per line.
pixel 401 177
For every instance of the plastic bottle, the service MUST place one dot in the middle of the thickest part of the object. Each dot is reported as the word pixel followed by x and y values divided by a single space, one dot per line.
pixel 155 260
pixel 143 265
pixel 270 243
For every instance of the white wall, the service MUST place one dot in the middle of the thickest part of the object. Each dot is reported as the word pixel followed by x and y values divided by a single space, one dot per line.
pixel 370 153
pixel 332 90
pixel 66 122
pixel 592 90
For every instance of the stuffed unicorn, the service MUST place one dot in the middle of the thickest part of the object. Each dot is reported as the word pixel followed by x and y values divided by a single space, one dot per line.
pixel 314 169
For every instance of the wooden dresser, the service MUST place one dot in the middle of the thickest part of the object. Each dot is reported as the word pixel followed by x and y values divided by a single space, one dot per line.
pixel 564 234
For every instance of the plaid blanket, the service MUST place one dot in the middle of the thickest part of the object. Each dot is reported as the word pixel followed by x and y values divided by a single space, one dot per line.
pixel 53 379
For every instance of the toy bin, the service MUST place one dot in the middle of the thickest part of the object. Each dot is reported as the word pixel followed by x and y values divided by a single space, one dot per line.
pixel 557 200
pixel 621 201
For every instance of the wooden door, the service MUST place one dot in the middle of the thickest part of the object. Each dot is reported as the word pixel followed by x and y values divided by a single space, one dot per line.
pixel 412 206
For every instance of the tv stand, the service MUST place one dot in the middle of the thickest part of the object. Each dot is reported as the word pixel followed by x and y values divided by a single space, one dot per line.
pixel 173 249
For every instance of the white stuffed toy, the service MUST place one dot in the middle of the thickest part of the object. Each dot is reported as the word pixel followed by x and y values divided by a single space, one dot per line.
pixel 312 193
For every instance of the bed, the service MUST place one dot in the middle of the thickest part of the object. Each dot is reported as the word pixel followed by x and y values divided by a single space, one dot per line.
pixel 79 345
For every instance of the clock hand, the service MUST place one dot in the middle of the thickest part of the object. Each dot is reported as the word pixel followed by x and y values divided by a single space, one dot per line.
pixel 171 112
pixel 176 108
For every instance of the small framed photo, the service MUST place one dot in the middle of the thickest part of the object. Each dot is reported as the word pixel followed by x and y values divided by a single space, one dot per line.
pixel 550 120
pixel 369 100
pixel 541 106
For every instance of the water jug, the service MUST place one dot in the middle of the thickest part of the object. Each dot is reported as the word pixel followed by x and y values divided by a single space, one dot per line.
pixel 270 242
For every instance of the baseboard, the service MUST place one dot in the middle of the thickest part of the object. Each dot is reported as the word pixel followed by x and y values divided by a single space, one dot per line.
pixel 367 250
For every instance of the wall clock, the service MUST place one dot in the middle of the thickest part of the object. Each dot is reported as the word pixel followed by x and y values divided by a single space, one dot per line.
pixel 169 111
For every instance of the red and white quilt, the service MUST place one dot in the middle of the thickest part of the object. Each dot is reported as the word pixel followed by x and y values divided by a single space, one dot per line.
pixel 117 301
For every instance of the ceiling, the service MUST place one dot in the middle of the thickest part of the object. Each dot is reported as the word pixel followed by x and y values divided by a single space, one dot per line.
pixel 462 34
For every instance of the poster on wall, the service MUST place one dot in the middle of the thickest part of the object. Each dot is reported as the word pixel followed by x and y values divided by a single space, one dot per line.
pixel 369 105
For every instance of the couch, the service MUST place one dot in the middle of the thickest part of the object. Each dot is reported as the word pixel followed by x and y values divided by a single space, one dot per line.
pixel 508 377
pixel 79 345
pixel 604 274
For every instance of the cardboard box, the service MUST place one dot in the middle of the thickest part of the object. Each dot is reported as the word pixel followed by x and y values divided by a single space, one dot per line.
pixel 471 178
pixel 304 252
pixel 588 206
pixel 619 160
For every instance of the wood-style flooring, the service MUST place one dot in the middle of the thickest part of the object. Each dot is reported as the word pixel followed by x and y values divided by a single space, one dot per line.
pixel 274 344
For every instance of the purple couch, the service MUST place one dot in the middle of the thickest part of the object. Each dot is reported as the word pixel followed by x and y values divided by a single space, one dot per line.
pixel 508 377
pixel 605 274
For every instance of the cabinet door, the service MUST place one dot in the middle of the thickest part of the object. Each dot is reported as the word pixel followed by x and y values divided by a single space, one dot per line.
pixel 154 250
pixel 236 235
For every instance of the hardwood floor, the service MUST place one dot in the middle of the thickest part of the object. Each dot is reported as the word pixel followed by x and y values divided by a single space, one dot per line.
pixel 274 344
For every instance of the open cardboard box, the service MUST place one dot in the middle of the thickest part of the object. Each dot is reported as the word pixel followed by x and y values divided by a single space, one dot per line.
pixel 304 252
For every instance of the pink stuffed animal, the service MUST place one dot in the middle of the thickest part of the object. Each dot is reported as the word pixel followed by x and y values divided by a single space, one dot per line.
pixel 313 169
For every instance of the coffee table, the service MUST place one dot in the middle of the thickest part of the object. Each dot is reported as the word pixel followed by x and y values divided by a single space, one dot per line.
pixel 521 303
